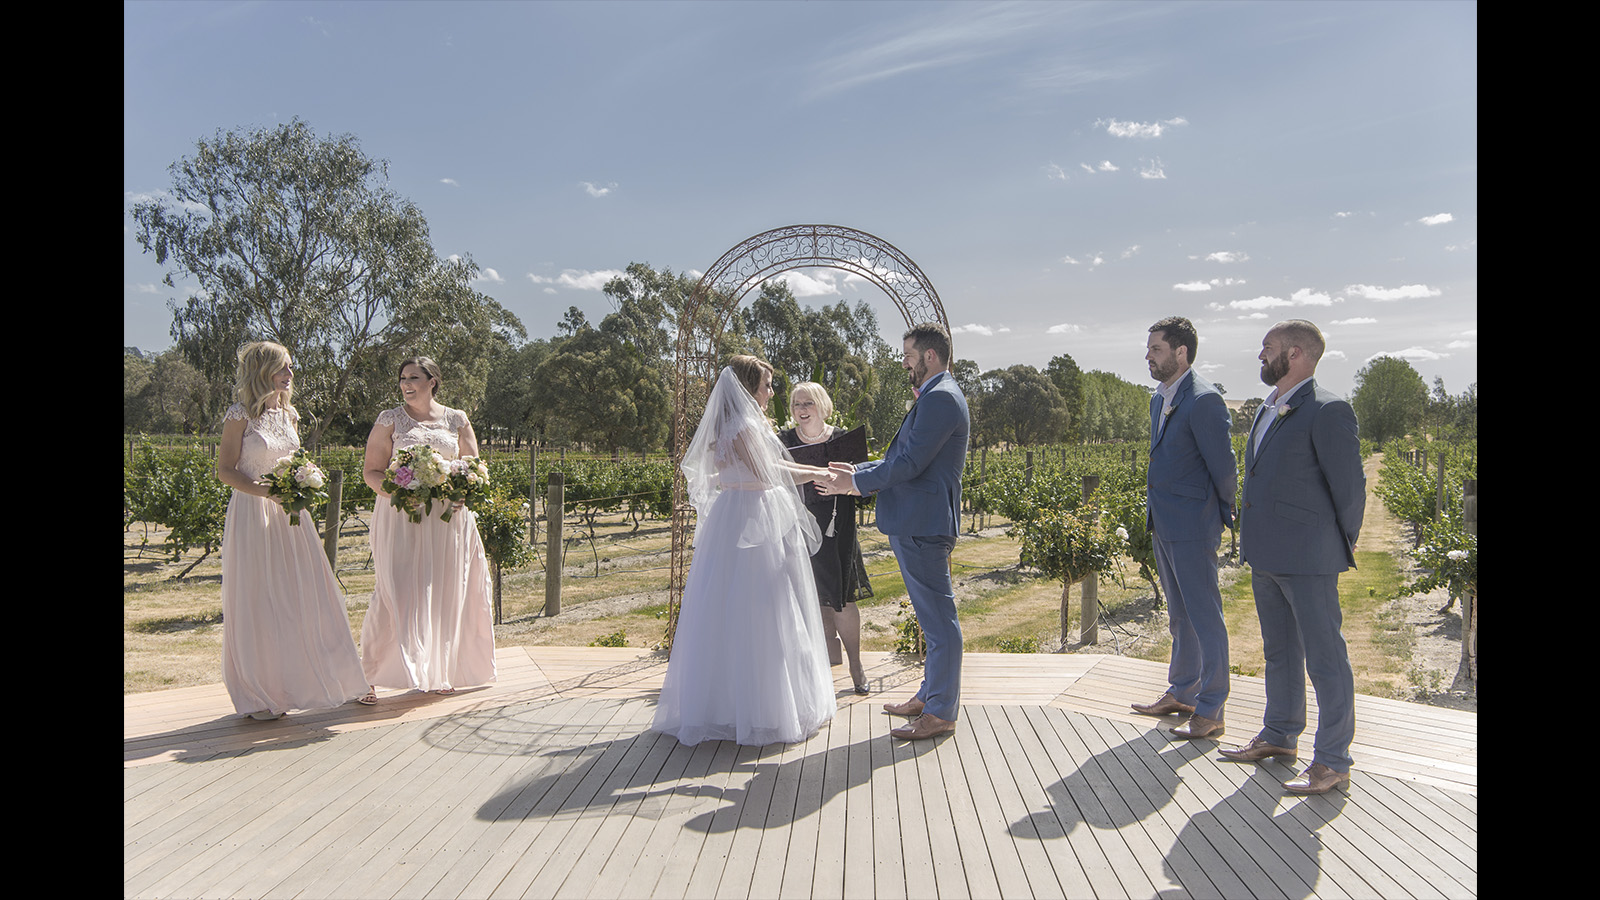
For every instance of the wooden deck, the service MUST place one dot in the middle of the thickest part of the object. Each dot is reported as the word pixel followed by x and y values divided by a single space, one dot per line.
pixel 550 783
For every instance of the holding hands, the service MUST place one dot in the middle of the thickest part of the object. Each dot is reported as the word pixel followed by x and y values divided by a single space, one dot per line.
pixel 839 480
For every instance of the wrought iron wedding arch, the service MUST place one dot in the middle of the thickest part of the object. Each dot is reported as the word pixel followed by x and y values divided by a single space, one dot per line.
pixel 719 292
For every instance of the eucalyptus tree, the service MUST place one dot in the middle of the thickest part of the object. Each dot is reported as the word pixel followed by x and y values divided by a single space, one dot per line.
pixel 1064 373
pixel 1390 399
pixel 299 239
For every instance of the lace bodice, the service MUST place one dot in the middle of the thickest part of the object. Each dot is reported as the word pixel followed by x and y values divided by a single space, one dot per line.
pixel 267 439
pixel 442 435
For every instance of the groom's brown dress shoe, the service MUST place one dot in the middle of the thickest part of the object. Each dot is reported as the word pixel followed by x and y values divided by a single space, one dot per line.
pixel 927 725
pixel 1257 749
pixel 912 707
pixel 1198 726
pixel 1167 704
pixel 1317 779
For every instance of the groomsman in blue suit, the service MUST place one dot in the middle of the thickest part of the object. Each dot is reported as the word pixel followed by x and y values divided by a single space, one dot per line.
pixel 1304 497
pixel 1189 501
pixel 918 485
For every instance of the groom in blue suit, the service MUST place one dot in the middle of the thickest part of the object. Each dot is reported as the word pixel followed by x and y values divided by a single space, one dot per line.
pixel 918 484
pixel 1304 497
pixel 1189 500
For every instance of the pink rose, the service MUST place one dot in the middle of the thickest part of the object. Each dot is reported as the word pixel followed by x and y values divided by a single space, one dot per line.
pixel 403 476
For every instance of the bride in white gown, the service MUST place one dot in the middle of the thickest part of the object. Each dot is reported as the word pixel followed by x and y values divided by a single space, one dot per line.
pixel 748 659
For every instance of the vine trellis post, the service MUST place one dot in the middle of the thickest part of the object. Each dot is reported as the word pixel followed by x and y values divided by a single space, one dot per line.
pixel 718 294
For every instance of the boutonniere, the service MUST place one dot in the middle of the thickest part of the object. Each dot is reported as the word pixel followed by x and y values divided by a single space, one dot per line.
pixel 909 404
pixel 1284 410
pixel 1168 411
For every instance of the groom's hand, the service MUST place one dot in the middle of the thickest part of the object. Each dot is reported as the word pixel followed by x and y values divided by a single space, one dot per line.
pixel 838 481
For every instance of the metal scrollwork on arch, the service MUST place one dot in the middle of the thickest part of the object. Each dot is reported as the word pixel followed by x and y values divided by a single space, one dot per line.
pixel 719 292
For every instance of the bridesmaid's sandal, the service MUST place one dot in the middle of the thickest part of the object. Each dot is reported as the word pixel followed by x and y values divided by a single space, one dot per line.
pixel 444 691
pixel 371 699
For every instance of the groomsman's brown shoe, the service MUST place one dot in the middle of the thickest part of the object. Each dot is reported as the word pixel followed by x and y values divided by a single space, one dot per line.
pixel 1256 750
pixel 1317 779
pixel 912 707
pixel 1164 706
pixel 1198 726
pixel 927 725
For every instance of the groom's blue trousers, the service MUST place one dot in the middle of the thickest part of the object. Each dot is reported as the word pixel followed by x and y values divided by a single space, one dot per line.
pixel 925 566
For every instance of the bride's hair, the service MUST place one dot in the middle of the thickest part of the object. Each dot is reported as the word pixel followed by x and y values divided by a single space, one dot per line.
pixel 748 369
pixel 258 363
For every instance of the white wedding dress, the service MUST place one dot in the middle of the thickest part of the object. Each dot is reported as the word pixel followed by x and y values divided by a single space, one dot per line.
pixel 285 636
pixel 748 660
pixel 430 626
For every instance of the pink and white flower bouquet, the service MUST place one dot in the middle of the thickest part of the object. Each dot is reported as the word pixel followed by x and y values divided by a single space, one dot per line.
pixel 297 483
pixel 415 477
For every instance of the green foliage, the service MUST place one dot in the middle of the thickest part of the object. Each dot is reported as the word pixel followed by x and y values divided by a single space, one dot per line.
pixel 1389 400
pixel 614 639
pixel 908 634
pixel 503 526
pixel 1071 545
pixel 178 490
pixel 1019 644
pixel 1409 491
pixel 1450 557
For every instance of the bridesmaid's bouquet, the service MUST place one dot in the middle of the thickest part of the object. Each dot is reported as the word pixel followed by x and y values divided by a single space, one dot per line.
pixel 297 483
pixel 414 478
pixel 468 483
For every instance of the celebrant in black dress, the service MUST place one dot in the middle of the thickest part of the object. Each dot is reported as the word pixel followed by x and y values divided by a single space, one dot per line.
pixel 840 574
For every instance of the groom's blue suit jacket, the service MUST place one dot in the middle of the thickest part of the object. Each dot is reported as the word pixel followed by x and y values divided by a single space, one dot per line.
pixel 918 482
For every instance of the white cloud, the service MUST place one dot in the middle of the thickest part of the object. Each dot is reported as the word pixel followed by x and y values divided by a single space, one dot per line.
pixel 1439 219
pixel 596 191
pixel 450 181
pixel 579 279
pixel 1383 295
pixel 1139 129
pixel 1106 166
pixel 1129 252
pixel 1153 170
pixel 1086 167
pixel 1064 328
pixel 1421 354
pixel 1226 256
pixel 1302 297
pixel 1192 286
pixel 1358 320
pixel 1458 345
pixel 1262 302
pixel 1343 215
pixel 813 283
pixel 974 328
pixel 1055 173
pixel 488 274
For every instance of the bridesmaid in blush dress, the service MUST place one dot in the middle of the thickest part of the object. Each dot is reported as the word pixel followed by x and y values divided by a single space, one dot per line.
pixel 430 626
pixel 285 636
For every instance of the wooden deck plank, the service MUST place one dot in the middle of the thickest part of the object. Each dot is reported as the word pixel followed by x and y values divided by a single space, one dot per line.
pixel 1049 874
pixel 550 783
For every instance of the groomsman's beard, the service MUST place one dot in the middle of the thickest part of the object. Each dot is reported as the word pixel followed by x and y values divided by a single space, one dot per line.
pixel 1273 370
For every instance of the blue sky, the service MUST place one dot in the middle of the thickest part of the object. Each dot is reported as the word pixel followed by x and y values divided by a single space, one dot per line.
pixel 1064 173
